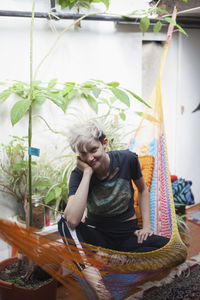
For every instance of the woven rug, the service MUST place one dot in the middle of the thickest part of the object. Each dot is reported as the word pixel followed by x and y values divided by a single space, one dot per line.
pixel 183 283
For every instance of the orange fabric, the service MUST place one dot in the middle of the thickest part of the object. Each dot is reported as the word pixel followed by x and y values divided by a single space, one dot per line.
pixel 147 165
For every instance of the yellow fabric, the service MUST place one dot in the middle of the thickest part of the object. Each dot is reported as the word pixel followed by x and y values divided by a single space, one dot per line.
pixel 147 167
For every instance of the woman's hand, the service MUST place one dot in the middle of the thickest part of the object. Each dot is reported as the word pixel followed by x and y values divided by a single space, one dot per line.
pixel 83 166
pixel 143 234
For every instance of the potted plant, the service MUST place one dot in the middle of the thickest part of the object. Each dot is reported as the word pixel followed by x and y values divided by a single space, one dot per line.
pixel 13 286
pixel 14 176
pixel 14 171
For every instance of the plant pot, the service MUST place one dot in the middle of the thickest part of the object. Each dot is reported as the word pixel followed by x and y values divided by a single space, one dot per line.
pixel 8 291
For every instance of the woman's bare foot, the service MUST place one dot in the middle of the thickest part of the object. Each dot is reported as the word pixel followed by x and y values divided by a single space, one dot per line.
pixel 93 277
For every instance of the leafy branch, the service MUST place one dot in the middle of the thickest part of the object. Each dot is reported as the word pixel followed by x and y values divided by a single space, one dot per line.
pixel 95 92
pixel 153 12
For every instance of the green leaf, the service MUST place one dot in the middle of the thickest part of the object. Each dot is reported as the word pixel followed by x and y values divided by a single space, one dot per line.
pixel 18 110
pixel 50 197
pixel 56 99
pixel 42 184
pixel 4 95
pixel 112 100
pixel 122 96
pixel 157 27
pixel 96 92
pixel 139 113
pixel 106 2
pixel 58 191
pixel 144 24
pixel 40 100
pixel 122 116
pixel 88 85
pixel 138 98
pixel 171 21
pixel 113 83
pixel 52 83
pixel 104 100
pixel 36 83
pixel 91 101
pixel 69 83
pixel 72 94
pixel 66 90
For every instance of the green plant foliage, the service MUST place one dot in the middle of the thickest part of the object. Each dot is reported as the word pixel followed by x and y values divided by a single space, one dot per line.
pixel 171 21
pixel 19 110
pixel 106 2
pixel 58 185
pixel 182 225
pixel 14 168
pixel 14 172
pixel 22 283
pixel 144 24
pixel 80 3
pixel 157 27
pixel 121 95
pixel 146 15
pixel 91 91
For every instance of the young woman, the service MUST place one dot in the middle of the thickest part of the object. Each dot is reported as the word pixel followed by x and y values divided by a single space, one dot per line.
pixel 101 182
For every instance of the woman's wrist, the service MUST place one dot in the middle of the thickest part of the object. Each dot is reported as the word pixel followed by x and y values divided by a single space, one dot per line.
pixel 88 172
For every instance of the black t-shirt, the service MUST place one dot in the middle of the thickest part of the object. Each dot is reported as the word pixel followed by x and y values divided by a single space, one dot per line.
pixel 111 198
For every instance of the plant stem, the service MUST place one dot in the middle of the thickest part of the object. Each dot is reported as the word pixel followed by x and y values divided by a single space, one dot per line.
pixel 52 208
pixel 30 116
pixel 157 4
pixel 49 127
pixel 58 38
pixel 10 192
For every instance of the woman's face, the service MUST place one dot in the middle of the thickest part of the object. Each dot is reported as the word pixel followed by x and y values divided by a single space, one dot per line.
pixel 94 153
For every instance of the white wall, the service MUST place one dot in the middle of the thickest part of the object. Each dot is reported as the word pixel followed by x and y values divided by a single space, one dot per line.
pixel 181 90
pixel 188 123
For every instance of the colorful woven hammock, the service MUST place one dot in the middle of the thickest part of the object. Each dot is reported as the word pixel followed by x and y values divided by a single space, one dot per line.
pixel 120 270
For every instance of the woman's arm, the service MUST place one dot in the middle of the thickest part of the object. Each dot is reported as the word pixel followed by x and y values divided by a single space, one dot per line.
pixel 77 203
pixel 144 204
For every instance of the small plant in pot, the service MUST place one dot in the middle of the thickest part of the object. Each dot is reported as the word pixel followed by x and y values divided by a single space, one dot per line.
pixel 14 171
pixel 20 279
pixel 14 178
pixel 40 285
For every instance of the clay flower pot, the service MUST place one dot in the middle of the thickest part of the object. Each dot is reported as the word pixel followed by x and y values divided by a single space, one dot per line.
pixel 8 291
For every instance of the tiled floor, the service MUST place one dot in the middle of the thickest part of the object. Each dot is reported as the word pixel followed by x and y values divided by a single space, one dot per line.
pixel 193 242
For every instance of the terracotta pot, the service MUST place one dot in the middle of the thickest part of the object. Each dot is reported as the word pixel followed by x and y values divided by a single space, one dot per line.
pixel 8 291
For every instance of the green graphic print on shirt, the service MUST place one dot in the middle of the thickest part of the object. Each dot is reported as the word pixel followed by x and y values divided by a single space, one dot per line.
pixel 110 198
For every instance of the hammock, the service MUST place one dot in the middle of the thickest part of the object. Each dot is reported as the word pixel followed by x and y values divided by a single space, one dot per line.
pixel 121 271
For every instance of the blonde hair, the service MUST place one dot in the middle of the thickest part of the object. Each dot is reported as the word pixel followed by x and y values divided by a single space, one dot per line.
pixel 83 133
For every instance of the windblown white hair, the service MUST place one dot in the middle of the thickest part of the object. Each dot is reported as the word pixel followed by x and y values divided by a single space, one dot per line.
pixel 83 133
